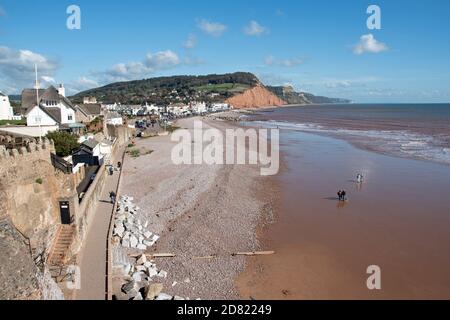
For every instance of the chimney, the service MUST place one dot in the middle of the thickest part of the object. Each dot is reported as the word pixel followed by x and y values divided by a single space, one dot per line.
pixel 62 90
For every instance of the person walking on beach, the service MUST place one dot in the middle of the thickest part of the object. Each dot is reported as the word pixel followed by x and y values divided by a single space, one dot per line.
pixel 339 195
pixel 359 178
pixel 343 194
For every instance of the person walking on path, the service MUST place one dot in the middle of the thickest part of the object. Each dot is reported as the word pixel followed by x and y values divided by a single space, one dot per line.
pixel 112 195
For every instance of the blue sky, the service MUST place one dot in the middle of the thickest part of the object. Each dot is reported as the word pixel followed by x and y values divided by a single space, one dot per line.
pixel 311 45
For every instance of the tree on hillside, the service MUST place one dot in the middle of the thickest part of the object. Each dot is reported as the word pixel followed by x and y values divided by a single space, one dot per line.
pixel 65 142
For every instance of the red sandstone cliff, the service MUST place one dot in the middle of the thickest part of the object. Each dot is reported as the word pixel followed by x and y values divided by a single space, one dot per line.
pixel 256 97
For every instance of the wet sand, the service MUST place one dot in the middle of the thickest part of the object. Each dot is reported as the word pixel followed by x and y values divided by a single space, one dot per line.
pixel 399 220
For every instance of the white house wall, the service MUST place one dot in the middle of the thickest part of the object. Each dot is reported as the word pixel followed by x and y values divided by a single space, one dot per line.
pixel 66 112
pixel 38 117
pixel 6 111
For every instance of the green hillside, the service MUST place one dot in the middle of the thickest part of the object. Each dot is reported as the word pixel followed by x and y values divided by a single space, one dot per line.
pixel 163 90
pixel 209 88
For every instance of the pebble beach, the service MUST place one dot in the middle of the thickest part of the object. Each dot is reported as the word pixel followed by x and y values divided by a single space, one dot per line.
pixel 201 214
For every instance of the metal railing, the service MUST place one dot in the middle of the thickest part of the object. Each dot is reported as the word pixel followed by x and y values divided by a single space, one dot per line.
pixel 61 164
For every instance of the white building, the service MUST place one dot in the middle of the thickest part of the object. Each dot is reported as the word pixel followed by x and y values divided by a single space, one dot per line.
pixel 114 118
pixel 6 111
pixel 161 109
pixel 219 107
pixel 39 116
pixel 111 106
pixel 89 100
pixel 199 107
pixel 178 109
pixel 93 146
pixel 151 109
pixel 52 101
pixel 50 107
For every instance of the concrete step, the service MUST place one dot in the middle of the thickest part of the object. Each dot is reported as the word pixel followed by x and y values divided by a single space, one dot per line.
pixel 61 245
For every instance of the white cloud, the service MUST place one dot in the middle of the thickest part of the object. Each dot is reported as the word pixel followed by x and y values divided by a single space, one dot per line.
pixel 17 67
pixel 332 83
pixel 368 43
pixel 269 60
pixel 191 41
pixel 162 60
pixel 434 93
pixel 48 79
pixel 338 84
pixel 255 29
pixel 215 29
pixel 273 79
pixel 84 83
pixel 153 62
pixel 124 72
pixel 81 84
pixel 288 63
pixel 383 92
pixel 192 60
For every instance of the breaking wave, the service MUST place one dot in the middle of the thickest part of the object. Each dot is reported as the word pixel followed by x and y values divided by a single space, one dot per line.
pixel 393 142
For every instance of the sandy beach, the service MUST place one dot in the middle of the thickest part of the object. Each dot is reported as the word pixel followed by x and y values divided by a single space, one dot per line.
pixel 199 211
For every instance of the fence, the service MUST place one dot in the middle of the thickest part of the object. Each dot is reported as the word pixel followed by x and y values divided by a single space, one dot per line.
pixel 61 164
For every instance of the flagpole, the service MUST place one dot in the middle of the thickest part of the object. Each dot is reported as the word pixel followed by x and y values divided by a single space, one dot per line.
pixel 37 103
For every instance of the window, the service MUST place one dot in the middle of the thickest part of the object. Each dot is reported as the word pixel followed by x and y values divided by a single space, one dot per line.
pixel 69 117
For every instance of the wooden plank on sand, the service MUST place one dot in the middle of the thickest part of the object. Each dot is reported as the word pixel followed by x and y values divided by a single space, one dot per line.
pixel 157 255
pixel 254 253
pixel 204 258
pixel 163 255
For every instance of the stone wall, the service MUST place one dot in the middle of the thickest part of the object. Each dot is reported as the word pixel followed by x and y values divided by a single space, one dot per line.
pixel 122 133
pixel 30 188
pixel 29 216
pixel 18 273
pixel 21 279
pixel 84 211
pixel 30 192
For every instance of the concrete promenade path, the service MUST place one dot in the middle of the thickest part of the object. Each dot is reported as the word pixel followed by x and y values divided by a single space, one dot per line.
pixel 93 252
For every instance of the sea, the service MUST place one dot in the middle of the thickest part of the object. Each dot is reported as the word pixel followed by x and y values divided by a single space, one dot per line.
pixel 419 131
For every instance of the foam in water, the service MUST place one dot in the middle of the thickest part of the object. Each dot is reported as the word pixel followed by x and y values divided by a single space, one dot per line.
pixel 399 143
